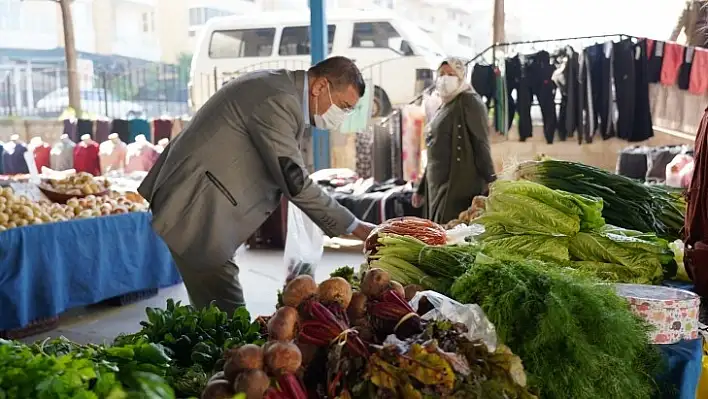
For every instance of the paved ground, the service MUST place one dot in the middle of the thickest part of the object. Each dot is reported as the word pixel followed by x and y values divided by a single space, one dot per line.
pixel 262 274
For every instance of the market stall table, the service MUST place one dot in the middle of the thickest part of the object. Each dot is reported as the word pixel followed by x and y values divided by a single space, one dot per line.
pixel 50 268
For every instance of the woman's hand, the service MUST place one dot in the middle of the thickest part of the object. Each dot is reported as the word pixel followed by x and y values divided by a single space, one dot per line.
pixel 417 200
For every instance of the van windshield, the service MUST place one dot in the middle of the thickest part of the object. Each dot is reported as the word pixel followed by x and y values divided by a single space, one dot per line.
pixel 420 40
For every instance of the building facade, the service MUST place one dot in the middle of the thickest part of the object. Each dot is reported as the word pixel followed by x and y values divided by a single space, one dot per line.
pixel 125 28
pixel 162 30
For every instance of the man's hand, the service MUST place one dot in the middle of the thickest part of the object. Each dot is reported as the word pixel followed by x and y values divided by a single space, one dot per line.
pixel 417 200
pixel 362 230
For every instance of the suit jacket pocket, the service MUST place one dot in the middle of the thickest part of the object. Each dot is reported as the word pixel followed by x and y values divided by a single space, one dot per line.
pixel 220 186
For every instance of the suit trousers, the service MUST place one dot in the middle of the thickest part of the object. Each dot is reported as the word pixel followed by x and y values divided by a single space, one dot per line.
pixel 207 283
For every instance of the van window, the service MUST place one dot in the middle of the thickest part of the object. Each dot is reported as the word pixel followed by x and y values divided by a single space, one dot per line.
pixel 295 40
pixel 373 34
pixel 242 43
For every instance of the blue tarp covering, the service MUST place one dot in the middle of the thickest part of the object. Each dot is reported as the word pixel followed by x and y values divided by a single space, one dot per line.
pixel 684 363
pixel 49 268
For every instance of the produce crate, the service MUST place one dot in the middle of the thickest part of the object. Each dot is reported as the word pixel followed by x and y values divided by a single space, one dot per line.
pixel 36 327
pixel 131 298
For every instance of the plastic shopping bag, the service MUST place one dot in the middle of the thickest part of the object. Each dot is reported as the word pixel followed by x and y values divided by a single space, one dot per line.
pixel 471 315
pixel 673 169
pixel 304 244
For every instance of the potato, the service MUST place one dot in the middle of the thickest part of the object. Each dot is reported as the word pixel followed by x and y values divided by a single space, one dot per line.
pixel 308 352
pixel 410 291
pixel 375 282
pixel 298 290
pixel 283 326
pixel 357 306
pixel 217 376
pixel 253 383
pixel 246 357
pixel 335 290
pixel 283 358
pixel 398 288
pixel 218 389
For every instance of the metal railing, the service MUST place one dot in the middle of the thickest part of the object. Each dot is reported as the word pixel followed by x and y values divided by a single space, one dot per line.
pixel 41 92
pixel 204 85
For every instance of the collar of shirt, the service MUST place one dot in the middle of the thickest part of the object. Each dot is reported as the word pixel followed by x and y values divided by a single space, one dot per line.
pixel 306 101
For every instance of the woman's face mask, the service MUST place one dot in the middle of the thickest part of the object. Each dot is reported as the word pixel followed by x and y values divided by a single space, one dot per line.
pixel 447 84
pixel 333 117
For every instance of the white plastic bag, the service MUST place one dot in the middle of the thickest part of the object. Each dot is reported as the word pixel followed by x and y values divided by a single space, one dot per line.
pixel 673 169
pixel 304 244
pixel 460 233
pixel 471 315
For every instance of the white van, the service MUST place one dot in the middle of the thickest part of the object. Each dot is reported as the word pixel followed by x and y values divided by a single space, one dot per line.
pixel 395 56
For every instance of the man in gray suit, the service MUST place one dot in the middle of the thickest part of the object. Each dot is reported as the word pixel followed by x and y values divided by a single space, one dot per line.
pixel 221 178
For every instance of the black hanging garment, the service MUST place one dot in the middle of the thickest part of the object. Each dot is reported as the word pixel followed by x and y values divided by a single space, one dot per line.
pixel 122 128
pixel 566 79
pixel 684 77
pixel 625 84
pixel 586 111
pixel 484 82
pixel 655 59
pixel 600 59
pixel 512 74
pixel 643 127
pixel 84 126
pixel 536 80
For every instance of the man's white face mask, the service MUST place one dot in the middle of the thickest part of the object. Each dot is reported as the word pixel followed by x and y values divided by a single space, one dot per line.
pixel 447 85
pixel 333 117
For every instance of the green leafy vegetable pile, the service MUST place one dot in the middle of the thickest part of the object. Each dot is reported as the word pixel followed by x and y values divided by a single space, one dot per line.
pixel 411 261
pixel 62 369
pixel 577 339
pixel 526 219
pixel 195 339
pixel 628 203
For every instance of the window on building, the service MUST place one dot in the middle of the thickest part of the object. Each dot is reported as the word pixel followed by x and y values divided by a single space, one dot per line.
pixel 148 22
pixel 464 40
pixel 10 15
pixel 200 15
pixel 373 34
pixel 242 43
pixel 295 40
pixel 384 3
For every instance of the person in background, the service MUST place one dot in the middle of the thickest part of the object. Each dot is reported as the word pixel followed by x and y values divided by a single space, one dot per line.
pixel 459 163
pixel 224 174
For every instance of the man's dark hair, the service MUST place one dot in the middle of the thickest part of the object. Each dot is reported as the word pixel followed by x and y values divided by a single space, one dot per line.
pixel 341 72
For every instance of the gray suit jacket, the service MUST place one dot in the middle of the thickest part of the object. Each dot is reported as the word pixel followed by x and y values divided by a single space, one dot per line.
pixel 219 180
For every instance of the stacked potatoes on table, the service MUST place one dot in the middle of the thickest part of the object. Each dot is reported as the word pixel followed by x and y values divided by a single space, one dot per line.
pixel 81 183
pixel 18 210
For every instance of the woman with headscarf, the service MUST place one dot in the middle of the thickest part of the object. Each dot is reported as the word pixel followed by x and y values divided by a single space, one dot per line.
pixel 459 163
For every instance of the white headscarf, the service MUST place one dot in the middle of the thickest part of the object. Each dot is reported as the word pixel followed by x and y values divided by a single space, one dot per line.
pixel 458 65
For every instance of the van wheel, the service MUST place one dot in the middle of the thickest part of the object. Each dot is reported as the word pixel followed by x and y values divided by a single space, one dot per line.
pixel 382 105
